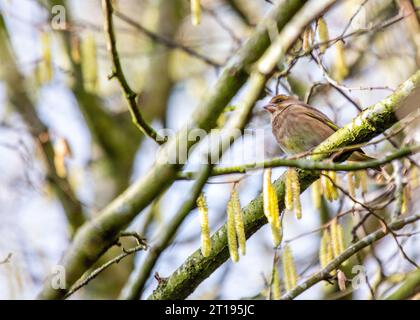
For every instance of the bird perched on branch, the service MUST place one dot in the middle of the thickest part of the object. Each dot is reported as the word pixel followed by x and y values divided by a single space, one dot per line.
pixel 298 127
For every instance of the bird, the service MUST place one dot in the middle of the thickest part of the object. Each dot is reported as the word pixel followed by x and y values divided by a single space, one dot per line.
pixel 299 127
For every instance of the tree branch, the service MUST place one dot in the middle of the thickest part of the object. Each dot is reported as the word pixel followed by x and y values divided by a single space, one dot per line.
pixel 307 164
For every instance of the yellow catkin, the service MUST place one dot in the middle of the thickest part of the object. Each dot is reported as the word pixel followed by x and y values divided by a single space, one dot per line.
pixel 266 194
pixel 350 184
pixel 277 234
pixel 231 233
pixel 289 269
pixel 405 200
pixel 196 12
pixel 205 229
pixel 308 36
pixel 337 238
pixel 340 236
pixel 325 249
pixel 75 48
pixel 288 195
pixel 363 180
pixel 408 190
pixel 89 62
pixel 47 70
pixel 295 185
pixel 298 207
pixel 325 185
pixel 322 34
pixel 330 191
pixel 275 283
pixel 271 208
pixel 357 180
pixel 414 177
pixel 340 69
pixel 60 166
pixel 316 193
pixel 239 222
pixel 333 182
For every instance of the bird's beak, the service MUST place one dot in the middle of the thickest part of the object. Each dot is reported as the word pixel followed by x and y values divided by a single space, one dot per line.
pixel 270 108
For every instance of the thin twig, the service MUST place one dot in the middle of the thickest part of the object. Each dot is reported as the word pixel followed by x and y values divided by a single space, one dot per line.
pixel 307 164
pixel 7 259
pixel 141 245
pixel 117 72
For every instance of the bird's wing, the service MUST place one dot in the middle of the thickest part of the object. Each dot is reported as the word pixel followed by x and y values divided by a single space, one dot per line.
pixel 318 115
pixel 357 155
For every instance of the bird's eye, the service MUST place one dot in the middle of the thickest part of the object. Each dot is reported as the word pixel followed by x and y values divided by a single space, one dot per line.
pixel 279 99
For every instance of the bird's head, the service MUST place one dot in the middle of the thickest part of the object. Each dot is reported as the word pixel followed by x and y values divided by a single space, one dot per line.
pixel 278 102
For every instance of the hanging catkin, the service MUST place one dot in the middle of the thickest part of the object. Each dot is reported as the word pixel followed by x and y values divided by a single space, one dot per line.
pixel 333 182
pixel 337 238
pixel 322 34
pixel 231 233
pixel 275 282
pixel 308 38
pixel 205 229
pixel 288 195
pixel 289 269
pixel 89 62
pixel 363 180
pixel 316 193
pixel 329 178
pixel 350 184
pixel 292 192
pixel 239 222
pixel 340 69
pixel 296 193
pixel 47 65
pixel 271 208
pixel 414 177
pixel 405 199
pixel 325 249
